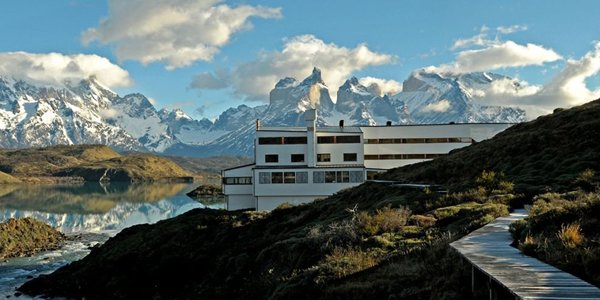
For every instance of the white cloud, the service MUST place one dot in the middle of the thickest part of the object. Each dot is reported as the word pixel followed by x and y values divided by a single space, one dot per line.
pixel 568 88
pixel 380 86
pixel 300 54
pixel 440 106
pixel 177 33
pixel 56 68
pixel 498 56
pixel 152 101
pixel 511 29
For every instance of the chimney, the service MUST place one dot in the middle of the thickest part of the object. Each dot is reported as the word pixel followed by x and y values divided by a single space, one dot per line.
pixel 342 123
pixel 257 124
pixel 388 123
pixel 310 116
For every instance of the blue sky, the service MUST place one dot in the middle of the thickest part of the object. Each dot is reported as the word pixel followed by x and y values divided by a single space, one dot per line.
pixel 401 36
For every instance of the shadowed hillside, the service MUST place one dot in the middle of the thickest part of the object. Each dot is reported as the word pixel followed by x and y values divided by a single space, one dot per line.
pixel 547 153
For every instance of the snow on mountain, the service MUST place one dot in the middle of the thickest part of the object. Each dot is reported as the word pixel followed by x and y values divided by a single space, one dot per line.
pixel 87 112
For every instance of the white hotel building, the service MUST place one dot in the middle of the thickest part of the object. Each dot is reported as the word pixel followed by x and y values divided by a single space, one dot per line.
pixel 299 164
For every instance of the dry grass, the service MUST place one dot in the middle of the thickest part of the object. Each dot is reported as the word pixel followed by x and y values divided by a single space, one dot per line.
pixel 570 235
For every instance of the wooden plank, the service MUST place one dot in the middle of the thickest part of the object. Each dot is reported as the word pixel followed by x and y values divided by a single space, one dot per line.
pixel 488 249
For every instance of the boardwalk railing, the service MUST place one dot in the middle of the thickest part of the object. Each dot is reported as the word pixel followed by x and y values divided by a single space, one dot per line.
pixel 508 273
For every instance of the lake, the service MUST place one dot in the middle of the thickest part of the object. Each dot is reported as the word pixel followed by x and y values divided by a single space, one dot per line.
pixel 89 213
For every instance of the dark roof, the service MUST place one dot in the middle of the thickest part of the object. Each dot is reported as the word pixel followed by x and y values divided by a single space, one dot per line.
pixel 239 167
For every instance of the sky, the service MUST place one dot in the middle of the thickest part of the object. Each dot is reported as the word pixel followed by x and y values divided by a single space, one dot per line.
pixel 205 56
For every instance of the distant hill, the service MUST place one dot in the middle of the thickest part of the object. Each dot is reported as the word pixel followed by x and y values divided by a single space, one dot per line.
pixel 87 163
pixel 546 153
pixel 6 179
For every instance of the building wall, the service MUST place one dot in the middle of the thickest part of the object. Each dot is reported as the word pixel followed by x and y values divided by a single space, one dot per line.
pixel 284 151
pixel 236 202
pixel 270 203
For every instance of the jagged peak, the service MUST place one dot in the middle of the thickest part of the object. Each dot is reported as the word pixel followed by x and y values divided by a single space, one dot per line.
pixel 314 78
pixel 286 83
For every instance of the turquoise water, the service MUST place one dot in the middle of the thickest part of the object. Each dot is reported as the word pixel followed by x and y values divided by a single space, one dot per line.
pixel 89 214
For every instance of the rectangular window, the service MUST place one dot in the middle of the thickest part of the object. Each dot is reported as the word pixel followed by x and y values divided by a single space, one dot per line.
pixel 323 157
pixel 415 141
pixel 293 140
pixel 414 156
pixel 371 156
pixel 347 139
pixel 357 176
pixel 277 177
pixel 289 177
pixel 350 157
pixel 372 141
pixel 386 141
pixel 318 177
pixel 301 177
pixel 454 140
pixel 264 177
pixel 270 141
pixel 399 141
pixel 297 157
pixel 271 158
pixel 386 156
pixel 330 177
pixel 343 176
pixel 237 180
pixel 326 139
pixel 436 140
pixel 398 156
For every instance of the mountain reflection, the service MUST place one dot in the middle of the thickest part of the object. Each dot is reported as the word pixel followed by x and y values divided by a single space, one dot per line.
pixel 88 198
pixel 93 207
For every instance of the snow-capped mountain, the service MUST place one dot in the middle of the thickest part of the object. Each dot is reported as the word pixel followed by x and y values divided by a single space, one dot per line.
pixel 87 112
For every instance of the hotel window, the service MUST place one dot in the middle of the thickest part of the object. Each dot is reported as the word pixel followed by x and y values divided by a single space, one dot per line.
pixel 292 140
pixel 271 158
pixel 386 141
pixel 347 139
pixel 277 177
pixel 301 177
pixel 386 156
pixel 371 156
pixel 323 157
pixel 372 141
pixel 270 141
pixel 319 177
pixel 297 158
pixel 330 177
pixel 237 180
pixel 415 141
pixel 289 177
pixel 414 156
pixel 357 176
pixel 350 157
pixel 326 139
pixel 264 177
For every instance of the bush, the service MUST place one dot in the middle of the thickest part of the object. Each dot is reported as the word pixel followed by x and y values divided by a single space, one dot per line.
pixel 570 235
pixel 386 219
pixel 345 261
pixel 423 221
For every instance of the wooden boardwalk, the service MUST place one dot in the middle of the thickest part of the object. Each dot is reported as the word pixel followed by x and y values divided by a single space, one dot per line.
pixel 488 250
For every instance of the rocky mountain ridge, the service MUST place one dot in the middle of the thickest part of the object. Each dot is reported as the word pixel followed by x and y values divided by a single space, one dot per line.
pixel 86 112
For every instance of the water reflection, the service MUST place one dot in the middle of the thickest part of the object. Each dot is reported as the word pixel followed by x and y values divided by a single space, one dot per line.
pixel 93 207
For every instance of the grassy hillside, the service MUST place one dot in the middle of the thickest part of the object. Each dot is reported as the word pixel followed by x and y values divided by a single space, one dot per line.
pixel 371 241
pixel 7 179
pixel 547 153
pixel 24 237
pixel 88 162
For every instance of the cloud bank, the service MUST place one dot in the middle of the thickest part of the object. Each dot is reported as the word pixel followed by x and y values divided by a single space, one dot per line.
pixel 55 68
pixel 379 86
pixel 176 33
pixel 253 80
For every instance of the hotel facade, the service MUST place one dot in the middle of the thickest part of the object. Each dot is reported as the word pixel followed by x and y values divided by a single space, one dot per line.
pixel 299 164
